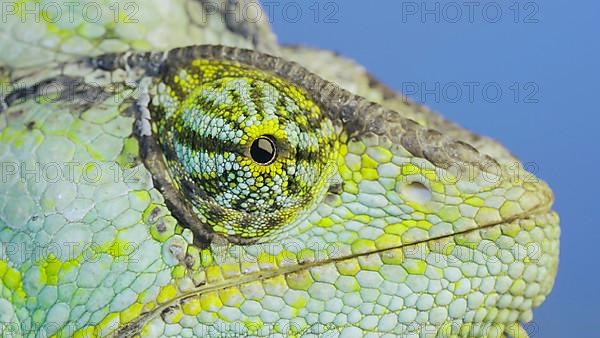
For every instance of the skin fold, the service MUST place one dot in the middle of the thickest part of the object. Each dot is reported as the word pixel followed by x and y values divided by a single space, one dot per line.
pixel 137 200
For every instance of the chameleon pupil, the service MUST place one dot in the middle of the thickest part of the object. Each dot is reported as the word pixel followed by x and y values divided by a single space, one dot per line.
pixel 263 150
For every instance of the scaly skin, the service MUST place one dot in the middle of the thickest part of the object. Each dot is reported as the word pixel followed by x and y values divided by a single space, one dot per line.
pixel 131 203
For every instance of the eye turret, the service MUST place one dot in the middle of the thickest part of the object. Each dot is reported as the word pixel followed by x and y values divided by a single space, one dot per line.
pixel 247 149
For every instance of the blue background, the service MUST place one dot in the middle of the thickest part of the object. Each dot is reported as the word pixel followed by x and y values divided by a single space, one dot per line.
pixel 558 54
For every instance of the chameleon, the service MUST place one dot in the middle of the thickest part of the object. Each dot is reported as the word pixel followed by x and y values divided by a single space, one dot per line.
pixel 169 169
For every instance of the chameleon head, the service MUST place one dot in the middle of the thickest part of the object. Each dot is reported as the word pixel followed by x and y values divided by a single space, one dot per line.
pixel 315 209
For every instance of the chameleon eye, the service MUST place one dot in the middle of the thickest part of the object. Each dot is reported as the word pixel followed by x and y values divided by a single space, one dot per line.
pixel 263 150
pixel 242 150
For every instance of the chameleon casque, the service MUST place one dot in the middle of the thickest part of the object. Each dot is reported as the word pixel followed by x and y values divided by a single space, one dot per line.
pixel 173 171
